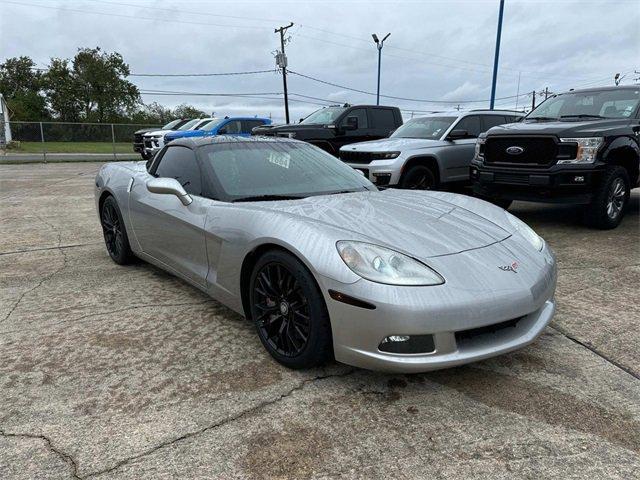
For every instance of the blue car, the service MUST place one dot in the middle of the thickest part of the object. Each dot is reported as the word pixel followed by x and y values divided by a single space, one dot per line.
pixel 236 126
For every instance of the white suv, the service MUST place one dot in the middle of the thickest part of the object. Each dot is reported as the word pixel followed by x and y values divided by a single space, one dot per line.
pixel 154 141
pixel 425 152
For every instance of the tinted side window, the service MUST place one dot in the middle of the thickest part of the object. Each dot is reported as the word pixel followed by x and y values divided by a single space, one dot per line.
pixel 248 125
pixel 471 124
pixel 492 121
pixel 361 114
pixel 180 163
pixel 233 127
pixel 383 118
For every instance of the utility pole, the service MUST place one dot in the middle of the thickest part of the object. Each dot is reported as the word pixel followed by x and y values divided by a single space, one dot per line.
pixel 533 101
pixel 518 90
pixel 281 61
pixel 379 45
pixel 497 55
pixel 546 92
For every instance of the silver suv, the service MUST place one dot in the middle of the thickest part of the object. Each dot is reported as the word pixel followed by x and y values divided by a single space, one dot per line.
pixel 425 152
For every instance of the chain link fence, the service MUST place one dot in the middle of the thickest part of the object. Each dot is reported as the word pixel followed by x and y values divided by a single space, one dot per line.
pixel 67 141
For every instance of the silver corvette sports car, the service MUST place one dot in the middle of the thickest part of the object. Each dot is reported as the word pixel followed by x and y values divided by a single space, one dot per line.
pixel 324 263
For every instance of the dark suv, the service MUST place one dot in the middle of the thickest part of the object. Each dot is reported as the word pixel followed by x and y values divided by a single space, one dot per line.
pixel 579 147
pixel 333 127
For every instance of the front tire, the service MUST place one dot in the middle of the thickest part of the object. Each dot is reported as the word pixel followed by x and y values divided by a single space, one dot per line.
pixel 114 232
pixel 610 199
pixel 418 177
pixel 289 311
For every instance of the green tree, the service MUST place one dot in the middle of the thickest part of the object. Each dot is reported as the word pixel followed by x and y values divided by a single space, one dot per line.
pixel 20 83
pixel 188 111
pixel 103 91
pixel 62 91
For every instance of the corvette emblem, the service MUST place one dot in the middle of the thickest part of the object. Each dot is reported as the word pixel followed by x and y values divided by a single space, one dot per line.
pixel 509 268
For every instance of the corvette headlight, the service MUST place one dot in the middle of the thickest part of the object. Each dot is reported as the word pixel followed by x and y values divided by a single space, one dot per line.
pixel 587 149
pixel 526 231
pixel 383 265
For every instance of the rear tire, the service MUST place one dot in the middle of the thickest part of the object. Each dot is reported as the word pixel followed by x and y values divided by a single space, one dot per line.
pixel 418 177
pixel 114 232
pixel 610 199
pixel 289 311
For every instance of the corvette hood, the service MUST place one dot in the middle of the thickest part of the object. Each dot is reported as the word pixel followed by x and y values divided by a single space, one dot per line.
pixel 417 223
pixel 394 144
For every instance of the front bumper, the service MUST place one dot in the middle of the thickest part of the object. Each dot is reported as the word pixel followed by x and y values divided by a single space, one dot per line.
pixel 558 184
pixel 455 314
pixel 381 172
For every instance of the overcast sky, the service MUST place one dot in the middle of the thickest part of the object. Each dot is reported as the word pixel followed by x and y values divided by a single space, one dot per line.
pixel 438 50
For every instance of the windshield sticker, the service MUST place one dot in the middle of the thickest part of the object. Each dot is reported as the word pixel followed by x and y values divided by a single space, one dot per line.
pixel 279 158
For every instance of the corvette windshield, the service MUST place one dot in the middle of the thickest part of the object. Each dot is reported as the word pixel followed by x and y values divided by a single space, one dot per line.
pixel 189 124
pixel 324 116
pixel 425 127
pixel 611 103
pixel 278 170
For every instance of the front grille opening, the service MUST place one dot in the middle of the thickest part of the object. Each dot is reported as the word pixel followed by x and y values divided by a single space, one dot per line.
pixel 363 158
pixel 472 333
pixel 407 344
pixel 539 151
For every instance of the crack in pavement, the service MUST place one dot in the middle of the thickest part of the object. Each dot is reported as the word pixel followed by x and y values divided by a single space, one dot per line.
pixel 46 277
pixel 592 349
pixel 20 192
pixel 68 459
pixel 75 245
pixel 97 314
pixel 233 418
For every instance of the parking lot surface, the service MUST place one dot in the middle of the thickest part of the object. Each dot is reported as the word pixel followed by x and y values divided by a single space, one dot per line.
pixel 127 372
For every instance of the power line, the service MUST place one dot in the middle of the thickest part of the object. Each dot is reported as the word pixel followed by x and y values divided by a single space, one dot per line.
pixel 272 70
pixel 420 100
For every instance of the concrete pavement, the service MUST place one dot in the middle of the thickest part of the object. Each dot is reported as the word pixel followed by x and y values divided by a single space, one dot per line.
pixel 127 372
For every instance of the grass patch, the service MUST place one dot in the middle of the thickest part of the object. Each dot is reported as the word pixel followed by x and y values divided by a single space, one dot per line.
pixel 72 147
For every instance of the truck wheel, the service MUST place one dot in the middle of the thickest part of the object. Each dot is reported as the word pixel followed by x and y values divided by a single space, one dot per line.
pixel 418 177
pixel 610 199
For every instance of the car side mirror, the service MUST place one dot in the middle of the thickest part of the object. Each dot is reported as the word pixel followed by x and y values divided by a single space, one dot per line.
pixel 351 123
pixel 457 134
pixel 222 131
pixel 300 121
pixel 170 186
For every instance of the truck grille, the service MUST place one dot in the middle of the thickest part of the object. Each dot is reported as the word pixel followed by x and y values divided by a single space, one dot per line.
pixel 363 158
pixel 536 151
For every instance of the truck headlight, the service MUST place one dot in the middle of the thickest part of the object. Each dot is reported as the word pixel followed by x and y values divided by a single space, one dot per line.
pixel 383 265
pixel 479 143
pixel 384 155
pixel 587 149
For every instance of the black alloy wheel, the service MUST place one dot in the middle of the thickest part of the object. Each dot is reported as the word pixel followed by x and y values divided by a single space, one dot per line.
pixel 115 236
pixel 418 177
pixel 289 311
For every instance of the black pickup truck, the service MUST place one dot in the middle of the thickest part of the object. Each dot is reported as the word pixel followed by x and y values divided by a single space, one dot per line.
pixel 581 147
pixel 332 127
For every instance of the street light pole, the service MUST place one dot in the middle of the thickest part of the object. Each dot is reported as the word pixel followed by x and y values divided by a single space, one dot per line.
pixel 379 45
pixel 495 60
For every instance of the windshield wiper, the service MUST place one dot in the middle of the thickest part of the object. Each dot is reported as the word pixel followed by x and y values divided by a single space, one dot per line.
pixel 581 115
pixel 541 118
pixel 266 198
